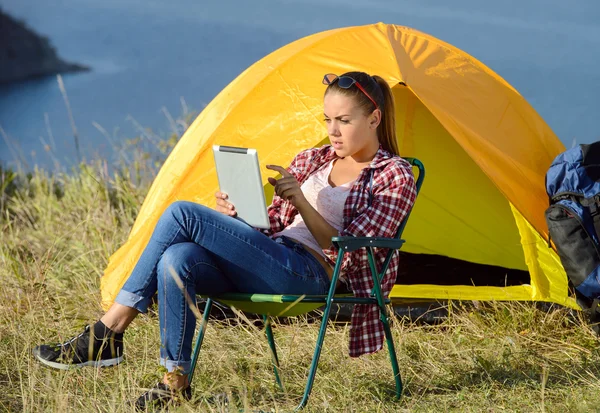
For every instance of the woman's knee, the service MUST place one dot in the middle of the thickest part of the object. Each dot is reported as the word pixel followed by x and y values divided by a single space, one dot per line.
pixel 176 209
pixel 179 212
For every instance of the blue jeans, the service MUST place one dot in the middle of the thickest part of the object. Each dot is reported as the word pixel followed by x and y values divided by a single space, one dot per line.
pixel 211 253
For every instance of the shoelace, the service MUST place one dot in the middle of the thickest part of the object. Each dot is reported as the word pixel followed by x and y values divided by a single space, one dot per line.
pixel 67 348
pixel 87 329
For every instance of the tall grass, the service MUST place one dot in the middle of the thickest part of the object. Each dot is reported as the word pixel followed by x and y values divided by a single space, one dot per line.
pixel 58 231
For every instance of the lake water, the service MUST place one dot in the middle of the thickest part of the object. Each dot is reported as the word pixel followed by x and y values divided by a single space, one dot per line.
pixel 150 56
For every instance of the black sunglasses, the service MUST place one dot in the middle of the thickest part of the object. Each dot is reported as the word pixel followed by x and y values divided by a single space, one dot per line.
pixel 346 82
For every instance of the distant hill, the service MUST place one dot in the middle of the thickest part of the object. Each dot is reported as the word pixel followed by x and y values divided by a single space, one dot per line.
pixel 25 54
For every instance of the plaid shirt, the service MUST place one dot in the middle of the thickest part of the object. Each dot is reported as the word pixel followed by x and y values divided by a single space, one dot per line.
pixel 378 201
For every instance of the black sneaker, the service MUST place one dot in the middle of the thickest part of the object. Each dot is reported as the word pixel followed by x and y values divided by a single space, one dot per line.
pixel 81 351
pixel 161 396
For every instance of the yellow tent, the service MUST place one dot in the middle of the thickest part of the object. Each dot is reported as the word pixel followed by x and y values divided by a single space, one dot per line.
pixel 485 149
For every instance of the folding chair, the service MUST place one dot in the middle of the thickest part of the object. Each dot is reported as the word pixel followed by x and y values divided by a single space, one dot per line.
pixel 269 305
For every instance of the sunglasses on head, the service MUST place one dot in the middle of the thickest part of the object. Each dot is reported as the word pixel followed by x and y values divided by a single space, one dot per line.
pixel 346 82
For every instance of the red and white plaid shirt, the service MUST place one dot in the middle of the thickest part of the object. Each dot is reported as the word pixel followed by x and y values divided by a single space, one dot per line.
pixel 393 194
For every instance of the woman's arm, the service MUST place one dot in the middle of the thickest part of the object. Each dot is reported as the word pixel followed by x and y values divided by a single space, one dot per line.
pixel 288 188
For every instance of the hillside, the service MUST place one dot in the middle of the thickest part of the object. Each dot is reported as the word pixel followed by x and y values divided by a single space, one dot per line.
pixel 25 54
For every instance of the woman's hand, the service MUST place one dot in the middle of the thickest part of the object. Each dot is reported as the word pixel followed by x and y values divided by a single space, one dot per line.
pixel 223 206
pixel 287 187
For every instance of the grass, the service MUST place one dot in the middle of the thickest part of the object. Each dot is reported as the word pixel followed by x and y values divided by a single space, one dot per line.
pixel 58 231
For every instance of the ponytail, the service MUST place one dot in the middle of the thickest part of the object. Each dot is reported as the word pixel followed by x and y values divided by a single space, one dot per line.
pixel 386 131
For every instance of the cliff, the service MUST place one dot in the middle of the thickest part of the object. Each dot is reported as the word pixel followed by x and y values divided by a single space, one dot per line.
pixel 25 54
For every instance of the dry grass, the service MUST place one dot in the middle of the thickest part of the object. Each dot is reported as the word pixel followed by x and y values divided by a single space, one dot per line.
pixel 58 232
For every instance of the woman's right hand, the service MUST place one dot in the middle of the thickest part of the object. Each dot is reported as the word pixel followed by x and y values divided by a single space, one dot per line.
pixel 223 206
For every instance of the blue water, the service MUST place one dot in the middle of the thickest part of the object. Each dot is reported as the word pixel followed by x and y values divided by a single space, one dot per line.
pixel 149 56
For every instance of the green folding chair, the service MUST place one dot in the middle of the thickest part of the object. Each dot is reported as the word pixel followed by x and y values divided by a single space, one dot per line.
pixel 269 305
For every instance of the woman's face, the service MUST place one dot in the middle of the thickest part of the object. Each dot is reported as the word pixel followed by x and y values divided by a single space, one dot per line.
pixel 351 132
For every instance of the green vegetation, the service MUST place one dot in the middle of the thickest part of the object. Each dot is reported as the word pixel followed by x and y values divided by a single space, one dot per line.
pixel 58 231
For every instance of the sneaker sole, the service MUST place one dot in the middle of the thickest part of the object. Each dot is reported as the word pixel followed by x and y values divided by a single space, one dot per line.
pixel 62 366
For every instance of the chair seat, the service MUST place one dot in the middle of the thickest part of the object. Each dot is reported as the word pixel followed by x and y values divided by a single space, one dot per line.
pixel 285 305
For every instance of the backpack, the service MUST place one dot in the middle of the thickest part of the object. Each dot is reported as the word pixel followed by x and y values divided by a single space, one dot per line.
pixel 573 218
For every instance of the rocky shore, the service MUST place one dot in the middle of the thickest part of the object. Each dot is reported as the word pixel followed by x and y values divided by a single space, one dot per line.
pixel 25 54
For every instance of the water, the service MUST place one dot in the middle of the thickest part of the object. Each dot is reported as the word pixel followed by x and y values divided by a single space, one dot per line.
pixel 148 56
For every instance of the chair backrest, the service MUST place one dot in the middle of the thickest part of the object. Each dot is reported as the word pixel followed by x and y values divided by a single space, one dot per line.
pixel 420 178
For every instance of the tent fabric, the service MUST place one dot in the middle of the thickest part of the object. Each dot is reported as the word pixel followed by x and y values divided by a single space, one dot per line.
pixel 486 151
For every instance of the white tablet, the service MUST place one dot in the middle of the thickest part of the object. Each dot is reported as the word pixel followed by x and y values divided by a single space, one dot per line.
pixel 239 177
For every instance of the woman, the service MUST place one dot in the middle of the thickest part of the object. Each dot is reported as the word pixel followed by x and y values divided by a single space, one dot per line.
pixel 356 186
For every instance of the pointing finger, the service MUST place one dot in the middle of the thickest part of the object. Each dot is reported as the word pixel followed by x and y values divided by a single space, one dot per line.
pixel 279 169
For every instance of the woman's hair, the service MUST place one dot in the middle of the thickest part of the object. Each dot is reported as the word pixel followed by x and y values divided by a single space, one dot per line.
pixel 381 93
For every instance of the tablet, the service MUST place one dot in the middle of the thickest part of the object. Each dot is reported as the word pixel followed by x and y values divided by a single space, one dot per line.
pixel 238 172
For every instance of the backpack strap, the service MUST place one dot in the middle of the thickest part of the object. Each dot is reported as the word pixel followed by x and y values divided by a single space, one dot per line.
pixel 592 203
pixel 573 196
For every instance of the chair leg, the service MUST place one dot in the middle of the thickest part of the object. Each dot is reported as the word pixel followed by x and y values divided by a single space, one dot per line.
pixel 392 350
pixel 201 331
pixel 271 340
pixel 386 324
pixel 315 359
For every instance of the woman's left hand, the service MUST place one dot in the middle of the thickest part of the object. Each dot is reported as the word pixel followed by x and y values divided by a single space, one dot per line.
pixel 287 187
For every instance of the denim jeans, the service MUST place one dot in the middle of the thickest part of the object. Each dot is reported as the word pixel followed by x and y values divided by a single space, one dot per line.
pixel 211 253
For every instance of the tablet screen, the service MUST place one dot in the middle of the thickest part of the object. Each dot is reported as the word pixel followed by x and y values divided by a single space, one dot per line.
pixel 238 172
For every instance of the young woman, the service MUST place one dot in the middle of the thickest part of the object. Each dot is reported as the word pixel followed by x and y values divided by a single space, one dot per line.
pixel 356 186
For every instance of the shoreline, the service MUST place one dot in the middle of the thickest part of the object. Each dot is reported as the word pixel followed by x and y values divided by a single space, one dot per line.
pixel 27 54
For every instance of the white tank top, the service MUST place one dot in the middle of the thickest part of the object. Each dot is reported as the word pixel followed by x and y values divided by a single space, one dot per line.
pixel 327 200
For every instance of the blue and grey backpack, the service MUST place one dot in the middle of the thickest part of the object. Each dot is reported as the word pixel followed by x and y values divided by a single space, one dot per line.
pixel 573 185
